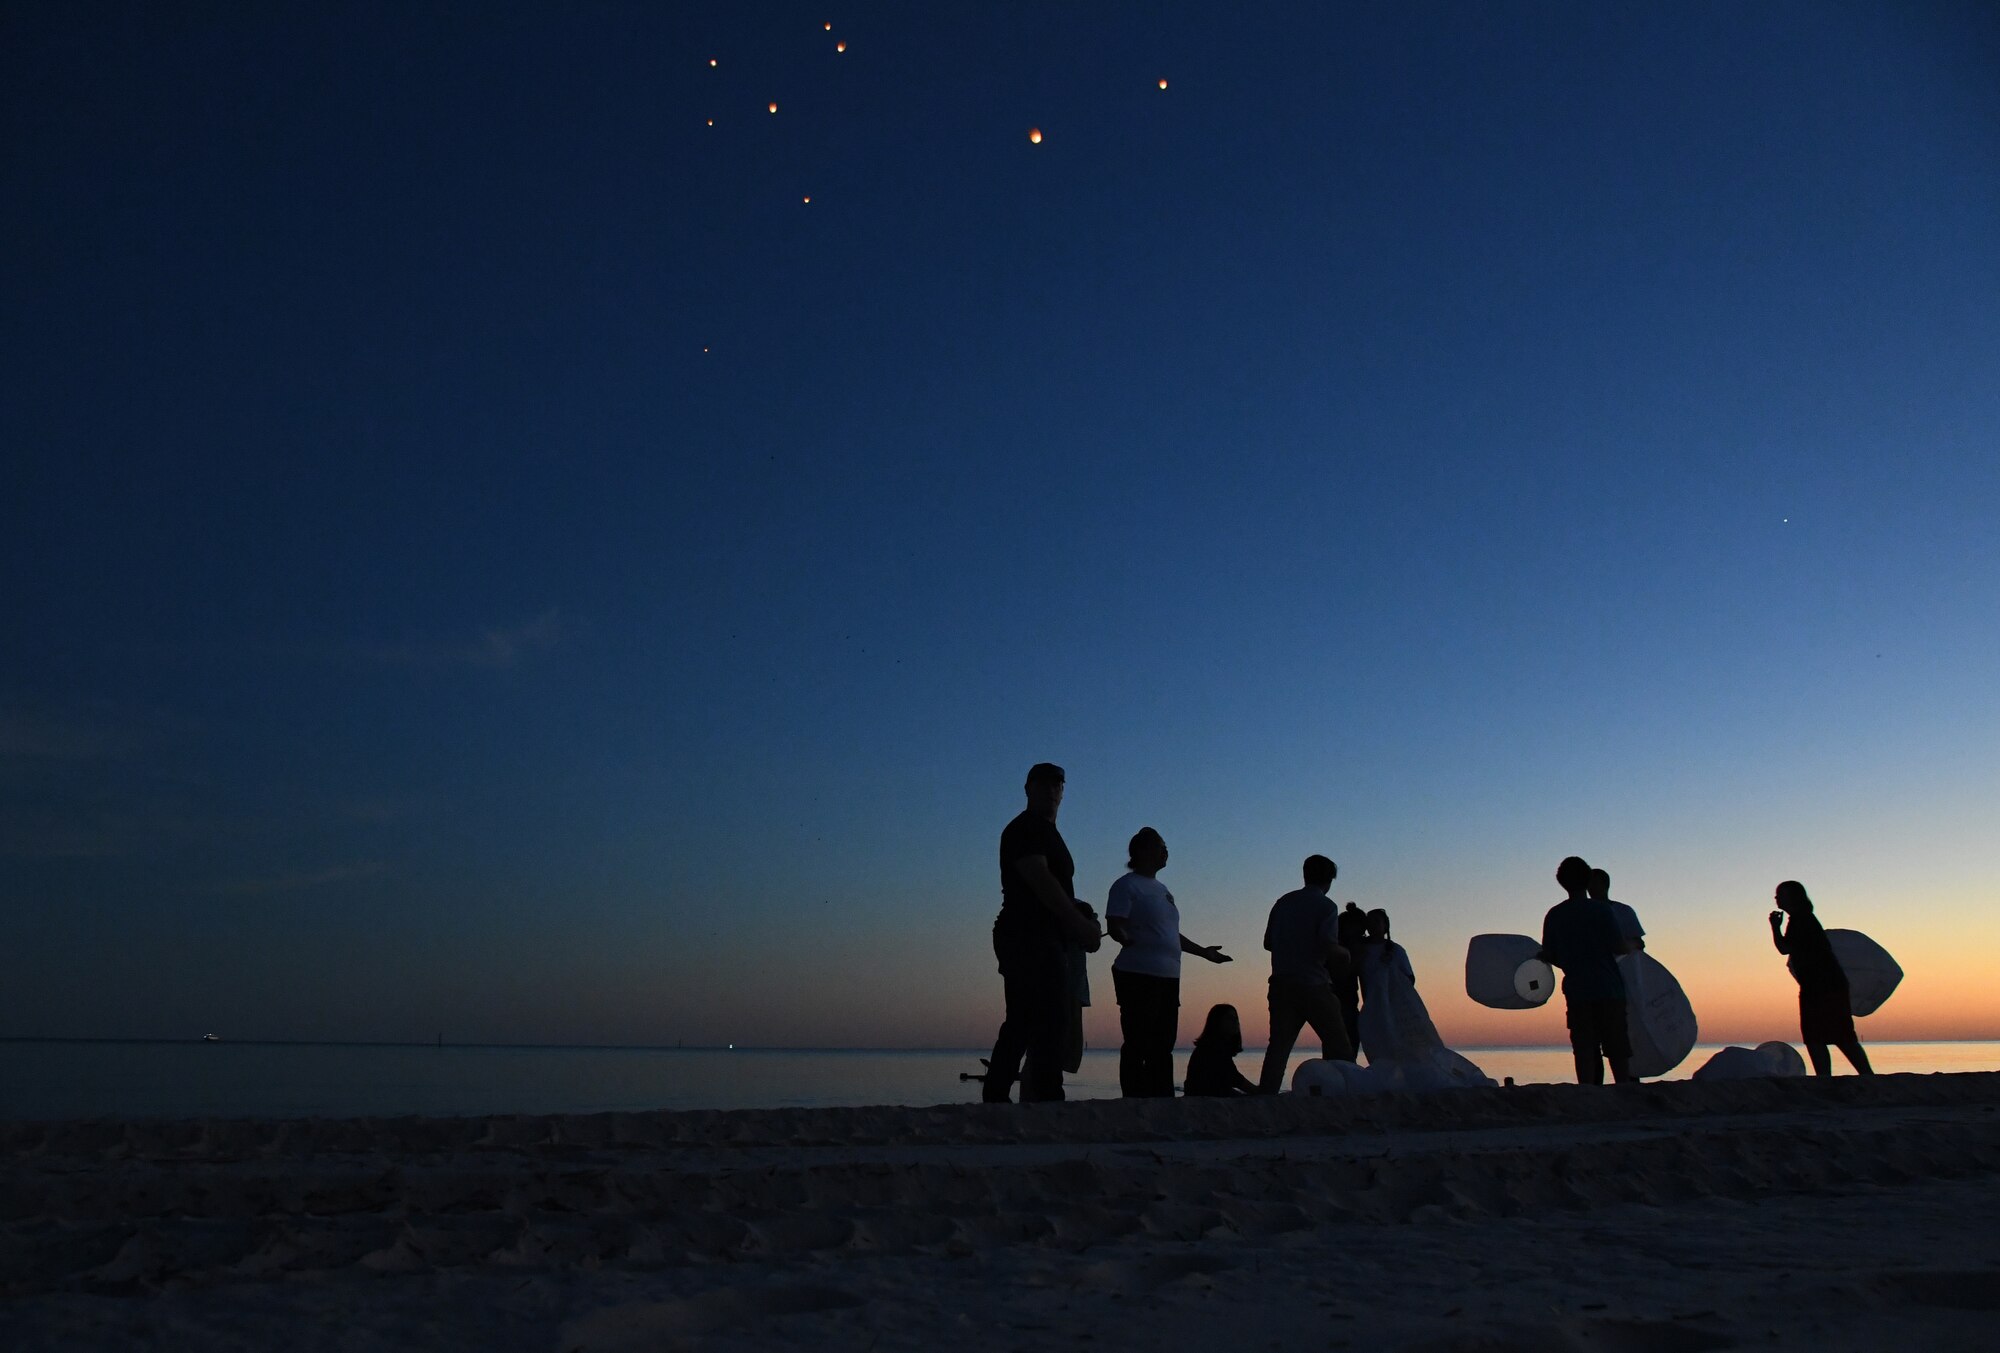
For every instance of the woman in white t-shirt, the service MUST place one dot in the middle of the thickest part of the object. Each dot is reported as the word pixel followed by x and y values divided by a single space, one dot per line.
pixel 1147 972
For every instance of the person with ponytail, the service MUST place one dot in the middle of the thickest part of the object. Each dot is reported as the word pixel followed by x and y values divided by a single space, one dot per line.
pixel 1826 1014
pixel 1147 972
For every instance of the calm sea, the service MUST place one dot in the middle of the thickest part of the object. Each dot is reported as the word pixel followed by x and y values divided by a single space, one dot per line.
pixel 60 1079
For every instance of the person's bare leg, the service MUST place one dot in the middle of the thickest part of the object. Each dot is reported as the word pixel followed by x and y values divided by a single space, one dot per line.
pixel 1822 1060
pixel 1855 1056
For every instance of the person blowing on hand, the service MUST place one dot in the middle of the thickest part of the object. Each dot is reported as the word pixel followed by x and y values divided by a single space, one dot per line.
pixel 1826 1014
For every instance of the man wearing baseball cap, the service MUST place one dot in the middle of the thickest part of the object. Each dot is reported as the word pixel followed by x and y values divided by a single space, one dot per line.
pixel 1039 914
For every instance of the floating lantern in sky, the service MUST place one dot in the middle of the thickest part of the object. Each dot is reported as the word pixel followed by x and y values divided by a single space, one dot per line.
pixel 808 197
pixel 829 28
pixel 711 61
pixel 839 46
pixel 711 122
pixel 1163 82
pixel 774 107
pixel 1035 136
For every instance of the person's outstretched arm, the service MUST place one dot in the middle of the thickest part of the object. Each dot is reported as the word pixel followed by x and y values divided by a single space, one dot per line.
pixel 1188 946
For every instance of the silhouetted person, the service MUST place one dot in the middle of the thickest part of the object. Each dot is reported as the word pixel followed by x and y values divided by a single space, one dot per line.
pixel 1583 939
pixel 1303 937
pixel 1826 1015
pixel 1212 1065
pixel 1599 889
pixel 1350 930
pixel 1147 972
pixel 1038 914
pixel 1397 1033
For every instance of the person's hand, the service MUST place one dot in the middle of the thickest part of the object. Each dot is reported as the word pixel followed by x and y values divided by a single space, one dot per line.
pixel 1777 918
pixel 1215 955
pixel 1084 928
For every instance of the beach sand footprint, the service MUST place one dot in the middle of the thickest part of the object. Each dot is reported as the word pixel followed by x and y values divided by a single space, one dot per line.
pixel 655 1324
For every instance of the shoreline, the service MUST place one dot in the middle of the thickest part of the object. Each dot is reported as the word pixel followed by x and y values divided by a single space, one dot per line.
pixel 1400 1221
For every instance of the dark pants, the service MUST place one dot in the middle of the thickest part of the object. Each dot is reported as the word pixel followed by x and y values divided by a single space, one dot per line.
pixel 1030 1044
pixel 1598 1033
pixel 1149 1015
pixel 1295 1004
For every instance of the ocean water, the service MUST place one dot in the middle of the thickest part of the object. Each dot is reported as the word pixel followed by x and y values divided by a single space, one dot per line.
pixel 63 1079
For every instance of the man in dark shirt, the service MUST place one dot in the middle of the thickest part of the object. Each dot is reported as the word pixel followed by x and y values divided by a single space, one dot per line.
pixel 1582 937
pixel 1039 916
pixel 1303 937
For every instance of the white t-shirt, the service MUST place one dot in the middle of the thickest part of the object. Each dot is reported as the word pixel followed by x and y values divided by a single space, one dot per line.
pixel 1152 926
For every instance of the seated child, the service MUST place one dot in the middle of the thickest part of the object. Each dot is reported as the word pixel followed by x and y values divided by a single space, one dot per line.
pixel 1211 1068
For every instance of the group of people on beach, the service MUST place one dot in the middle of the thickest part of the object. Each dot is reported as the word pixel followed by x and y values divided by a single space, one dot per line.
pixel 1335 971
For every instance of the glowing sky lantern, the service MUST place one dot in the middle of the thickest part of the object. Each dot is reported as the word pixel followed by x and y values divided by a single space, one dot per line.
pixel 1163 82
pixel 808 197
pixel 839 46
pixel 1035 135
pixel 711 61
pixel 829 28
pixel 774 107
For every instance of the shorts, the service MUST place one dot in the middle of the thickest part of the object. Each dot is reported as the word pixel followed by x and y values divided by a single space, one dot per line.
pixel 1826 1015
pixel 1599 1027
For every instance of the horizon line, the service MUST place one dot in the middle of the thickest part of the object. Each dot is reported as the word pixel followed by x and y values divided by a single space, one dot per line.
pixel 758 1047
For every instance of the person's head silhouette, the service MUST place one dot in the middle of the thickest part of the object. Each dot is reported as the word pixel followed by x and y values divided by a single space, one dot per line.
pixel 1573 875
pixel 1378 924
pixel 1320 872
pixel 1222 1030
pixel 1146 852
pixel 1599 886
pixel 1791 898
pixel 1045 788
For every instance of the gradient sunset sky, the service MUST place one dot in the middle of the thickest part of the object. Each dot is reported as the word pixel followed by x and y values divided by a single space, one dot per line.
pixel 485 555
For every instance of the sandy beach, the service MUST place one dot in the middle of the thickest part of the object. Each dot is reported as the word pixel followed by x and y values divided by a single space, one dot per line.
pixel 1788 1213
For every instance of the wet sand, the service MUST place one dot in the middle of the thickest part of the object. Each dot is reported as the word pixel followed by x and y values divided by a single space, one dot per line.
pixel 1844 1214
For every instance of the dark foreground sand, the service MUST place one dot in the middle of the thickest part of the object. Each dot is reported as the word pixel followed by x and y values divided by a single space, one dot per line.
pixel 1785 1213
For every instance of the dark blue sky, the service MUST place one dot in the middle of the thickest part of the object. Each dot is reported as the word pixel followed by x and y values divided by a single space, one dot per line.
pixel 484 554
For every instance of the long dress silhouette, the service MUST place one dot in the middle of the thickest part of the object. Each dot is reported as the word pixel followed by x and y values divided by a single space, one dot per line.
pixel 1400 1043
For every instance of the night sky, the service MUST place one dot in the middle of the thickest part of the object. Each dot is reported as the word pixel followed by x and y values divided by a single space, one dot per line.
pixel 485 555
